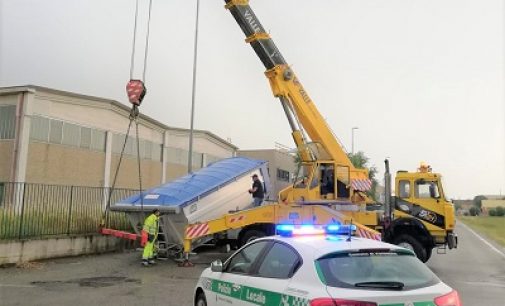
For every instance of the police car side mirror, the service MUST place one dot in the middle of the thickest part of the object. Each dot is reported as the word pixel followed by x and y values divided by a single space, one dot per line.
pixel 216 266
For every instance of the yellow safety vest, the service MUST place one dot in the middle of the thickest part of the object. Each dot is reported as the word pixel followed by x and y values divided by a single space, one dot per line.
pixel 151 224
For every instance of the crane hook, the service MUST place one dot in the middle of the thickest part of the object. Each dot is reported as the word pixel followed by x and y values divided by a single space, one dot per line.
pixel 136 91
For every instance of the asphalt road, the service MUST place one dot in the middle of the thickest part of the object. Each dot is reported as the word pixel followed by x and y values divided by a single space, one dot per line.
pixel 108 279
pixel 476 269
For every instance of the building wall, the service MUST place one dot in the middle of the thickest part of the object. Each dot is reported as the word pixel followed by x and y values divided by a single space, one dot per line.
pixel 128 173
pixel 6 147
pixel 94 114
pixel 202 142
pixel 487 204
pixel 65 165
pixel 7 134
pixel 9 99
pixel 281 167
pixel 175 170
pixel 72 139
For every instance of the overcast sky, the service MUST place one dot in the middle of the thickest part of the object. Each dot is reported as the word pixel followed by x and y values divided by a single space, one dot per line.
pixel 422 79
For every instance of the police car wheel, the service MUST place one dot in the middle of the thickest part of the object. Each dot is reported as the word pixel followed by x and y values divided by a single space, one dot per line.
pixel 201 300
pixel 409 242
pixel 251 235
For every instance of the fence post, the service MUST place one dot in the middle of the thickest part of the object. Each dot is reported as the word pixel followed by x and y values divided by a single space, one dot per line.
pixel 2 187
pixel 70 209
pixel 108 198
pixel 22 210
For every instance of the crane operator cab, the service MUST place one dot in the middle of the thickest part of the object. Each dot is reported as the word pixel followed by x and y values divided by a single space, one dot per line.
pixel 320 181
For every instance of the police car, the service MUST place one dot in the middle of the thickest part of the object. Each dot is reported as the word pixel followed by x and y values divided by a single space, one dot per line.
pixel 312 266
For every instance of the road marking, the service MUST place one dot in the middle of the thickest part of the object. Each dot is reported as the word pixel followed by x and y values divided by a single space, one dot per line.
pixel 486 284
pixel 483 240
pixel 17 286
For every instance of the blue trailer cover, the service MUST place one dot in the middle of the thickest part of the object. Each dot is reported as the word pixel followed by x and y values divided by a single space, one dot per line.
pixel 192 187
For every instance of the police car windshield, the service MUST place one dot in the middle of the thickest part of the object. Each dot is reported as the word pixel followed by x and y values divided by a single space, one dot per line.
pixel 361 270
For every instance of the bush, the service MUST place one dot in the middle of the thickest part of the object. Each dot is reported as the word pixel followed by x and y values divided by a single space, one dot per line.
pixel 474 211
pixel 500 211
pixel 492 212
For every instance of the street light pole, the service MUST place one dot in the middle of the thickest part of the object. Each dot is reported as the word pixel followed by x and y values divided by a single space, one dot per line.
pixel 352 139
pixel 190 153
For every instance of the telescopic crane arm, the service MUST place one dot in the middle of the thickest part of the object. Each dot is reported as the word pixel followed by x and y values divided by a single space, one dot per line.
pixel 301 112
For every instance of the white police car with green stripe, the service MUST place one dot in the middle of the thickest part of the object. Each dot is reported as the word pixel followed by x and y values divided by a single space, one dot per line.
pixel 303 266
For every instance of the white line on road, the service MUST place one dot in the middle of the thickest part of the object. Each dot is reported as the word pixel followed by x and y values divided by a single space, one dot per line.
pixel 17 286
pixel 486 284
pixel 483 240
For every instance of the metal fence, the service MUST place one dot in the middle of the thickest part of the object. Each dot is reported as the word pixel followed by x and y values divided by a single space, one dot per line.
pixel 38 210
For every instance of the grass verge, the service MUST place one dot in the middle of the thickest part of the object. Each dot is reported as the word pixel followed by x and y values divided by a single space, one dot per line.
pixel 492 227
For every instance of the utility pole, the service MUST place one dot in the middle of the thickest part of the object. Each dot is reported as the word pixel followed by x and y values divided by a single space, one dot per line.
pixel 352 139
pixel 195 57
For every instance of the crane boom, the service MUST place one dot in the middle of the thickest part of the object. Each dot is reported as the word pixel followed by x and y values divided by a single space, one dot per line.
pixel 303 116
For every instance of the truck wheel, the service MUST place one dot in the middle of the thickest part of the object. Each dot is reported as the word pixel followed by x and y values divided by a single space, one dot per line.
pixel 201 300
pixel 409 242
pixel 251 235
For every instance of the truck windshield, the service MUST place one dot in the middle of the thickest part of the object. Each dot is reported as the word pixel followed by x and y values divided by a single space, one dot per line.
pixel 426 189
pixel 384 270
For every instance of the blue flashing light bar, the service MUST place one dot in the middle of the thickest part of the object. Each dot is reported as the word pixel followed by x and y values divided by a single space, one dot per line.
pixel 335 229
pixel 290 230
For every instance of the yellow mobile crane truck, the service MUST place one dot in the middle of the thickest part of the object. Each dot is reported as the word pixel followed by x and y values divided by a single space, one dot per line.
pixel 328 188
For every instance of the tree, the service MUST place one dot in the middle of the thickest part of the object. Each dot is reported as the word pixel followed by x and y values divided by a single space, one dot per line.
pixel 297 159
pixel 477 201
pixel 360 161
pixel 474 211
pixel 457 206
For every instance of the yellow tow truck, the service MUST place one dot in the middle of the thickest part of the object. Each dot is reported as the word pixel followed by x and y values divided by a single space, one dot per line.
pixel 328 188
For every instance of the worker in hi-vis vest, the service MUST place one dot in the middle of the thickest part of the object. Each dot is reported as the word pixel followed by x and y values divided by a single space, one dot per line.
pixel 151 228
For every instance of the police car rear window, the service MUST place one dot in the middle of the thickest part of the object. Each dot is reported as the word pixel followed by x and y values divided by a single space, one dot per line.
pixel 383 270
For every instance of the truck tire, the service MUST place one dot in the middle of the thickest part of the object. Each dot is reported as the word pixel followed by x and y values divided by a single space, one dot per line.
pixel 201 300
pixel 411 243
pixel 251 235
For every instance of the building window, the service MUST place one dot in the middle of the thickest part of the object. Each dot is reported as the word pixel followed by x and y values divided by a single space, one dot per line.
pixel 118 142
pixel 197 159
pixel 56 131
pixel 148 149
pixel 7 122
pixel 181 156
pixel 209 159
pixel 145 149
pixel 97 140
pixel 71 134
pixel 156 152
pixel 85 138
pixel 39 129
pixel 282 175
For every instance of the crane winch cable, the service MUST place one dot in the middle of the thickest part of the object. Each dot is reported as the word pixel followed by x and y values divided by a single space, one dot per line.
pixel 134 41
pixel 136 91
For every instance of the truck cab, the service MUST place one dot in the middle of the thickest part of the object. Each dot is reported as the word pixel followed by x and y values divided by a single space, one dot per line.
pixel 423 218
